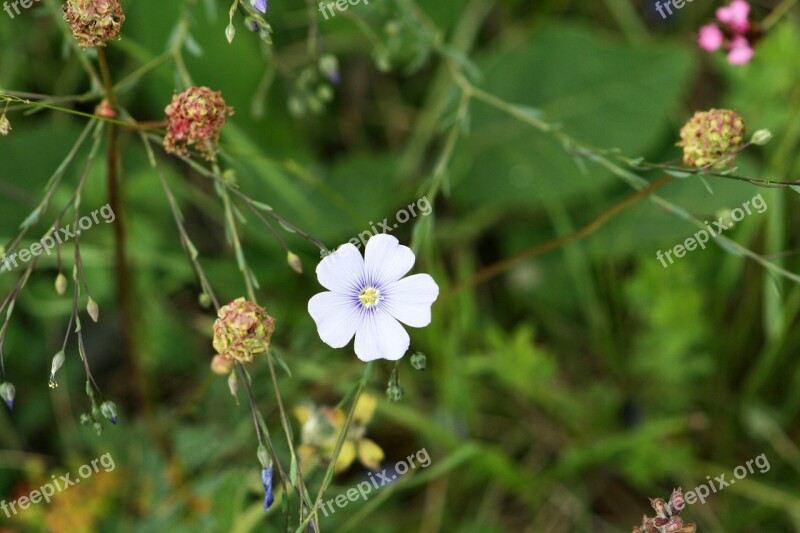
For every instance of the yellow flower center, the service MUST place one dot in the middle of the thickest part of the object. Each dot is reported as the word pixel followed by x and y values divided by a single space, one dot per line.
pixel 369 296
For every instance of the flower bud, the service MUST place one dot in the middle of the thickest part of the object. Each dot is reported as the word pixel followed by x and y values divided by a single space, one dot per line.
pixel 295 263
pixel 93 310
pixel 55 366
pixel 61 284
pixel 86 419
pixel 109 410
pixel 266 479
pixel 395 393
pixel 93 22
pixel 5 125
pixel 263 456
pixel 105 109
pixel 230 33
pixel 233 386
pixel 329 67
pixel 98 428
pixel 7 392
pixel 761 137
pixel 204 300
pixel 221 366
pixel 419 360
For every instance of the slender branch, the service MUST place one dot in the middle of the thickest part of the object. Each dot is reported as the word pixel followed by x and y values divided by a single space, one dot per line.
pixel 501 266
pixel 122 275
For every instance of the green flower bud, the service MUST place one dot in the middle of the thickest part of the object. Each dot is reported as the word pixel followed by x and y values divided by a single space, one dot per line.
pixel 98 428
pixel 263 456
pixel 419 361
pixel 7 392
pixel 230 33
pixel 233 386
pixel 86 419
pixel 395 393
pixel 93 310
pixel 761 137
pixel 295 263
pixel 204 300
pixel 5 125
pixel 109 410
pixel 61 284
pixel 55 366
pixel 329 66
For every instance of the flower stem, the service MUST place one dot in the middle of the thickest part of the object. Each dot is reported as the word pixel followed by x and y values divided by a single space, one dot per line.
pixel 777 13
pixel 121 268
pixel 326 480
pixel 501 266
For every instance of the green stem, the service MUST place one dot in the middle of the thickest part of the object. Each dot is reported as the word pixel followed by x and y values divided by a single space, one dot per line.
pixel 777 13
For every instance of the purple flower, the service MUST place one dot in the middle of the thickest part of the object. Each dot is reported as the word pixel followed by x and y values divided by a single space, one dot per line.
pixel 266 479
pixel 369 299
pixel 260 5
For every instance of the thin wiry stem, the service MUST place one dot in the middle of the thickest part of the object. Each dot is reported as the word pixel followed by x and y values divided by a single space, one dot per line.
pixel 501 266
pixel 326 480
pixel 8 303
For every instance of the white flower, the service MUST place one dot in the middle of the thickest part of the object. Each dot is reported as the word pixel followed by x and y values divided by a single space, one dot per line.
pixel 367 298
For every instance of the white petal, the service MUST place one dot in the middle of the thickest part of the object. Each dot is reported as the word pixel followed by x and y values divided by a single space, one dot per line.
pixel 409 300
pixel 337 317
pixel 343 270
pixel 386 260
pixel 381 337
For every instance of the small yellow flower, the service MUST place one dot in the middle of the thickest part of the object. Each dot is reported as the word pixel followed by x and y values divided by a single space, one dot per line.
pixel 320 431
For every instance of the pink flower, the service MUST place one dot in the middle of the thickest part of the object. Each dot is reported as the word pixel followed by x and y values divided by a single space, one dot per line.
pixel 710 38
pixel 740 51
pixel 735 15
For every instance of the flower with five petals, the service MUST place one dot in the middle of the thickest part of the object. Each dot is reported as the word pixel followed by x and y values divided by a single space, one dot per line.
pixel 369 298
